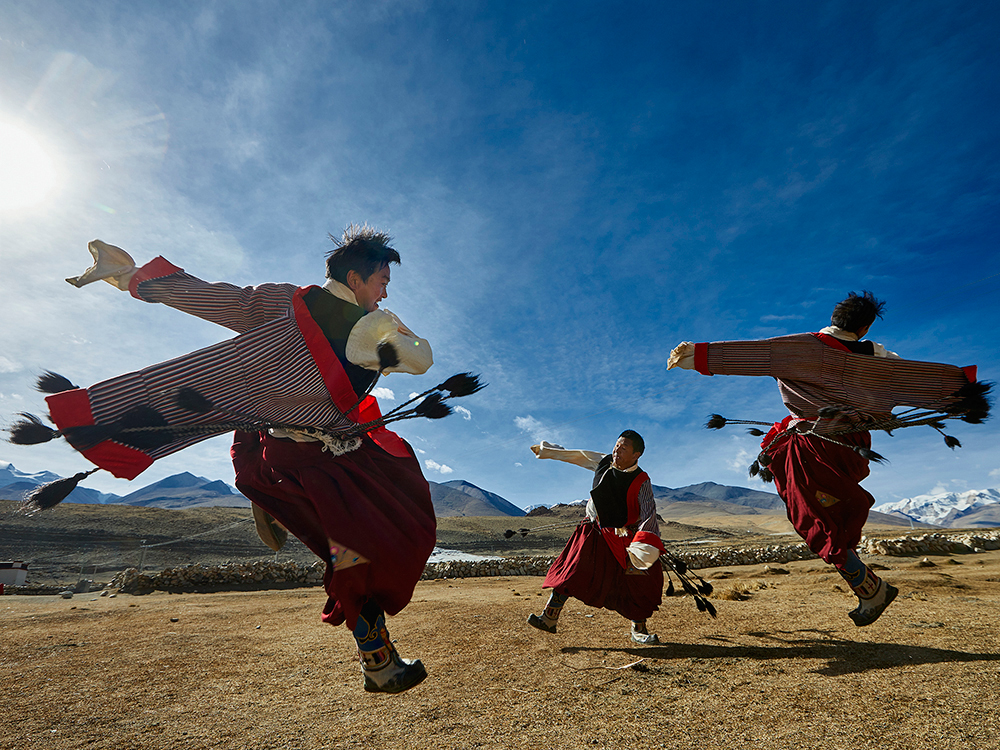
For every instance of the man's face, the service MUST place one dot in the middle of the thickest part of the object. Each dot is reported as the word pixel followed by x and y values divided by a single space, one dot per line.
pixel 369 293
pixel 624 456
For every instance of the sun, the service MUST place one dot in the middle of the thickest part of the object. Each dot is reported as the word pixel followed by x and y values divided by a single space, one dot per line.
pixel 28 174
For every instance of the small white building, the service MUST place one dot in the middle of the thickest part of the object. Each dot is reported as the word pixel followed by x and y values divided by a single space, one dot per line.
pixel 13 573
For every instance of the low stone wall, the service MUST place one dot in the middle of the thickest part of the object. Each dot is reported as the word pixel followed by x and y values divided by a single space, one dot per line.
pixel 271 575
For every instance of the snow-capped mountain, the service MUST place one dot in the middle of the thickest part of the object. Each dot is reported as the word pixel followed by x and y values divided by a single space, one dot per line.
pixel 970 509
pixel 10 475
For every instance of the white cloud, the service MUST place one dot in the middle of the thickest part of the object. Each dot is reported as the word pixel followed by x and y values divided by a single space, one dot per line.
pixel 518 464
pixel 536 429
pixel 466 414
pixel 7 365
pixel 435 466
pixel 385 393
pixel 995 473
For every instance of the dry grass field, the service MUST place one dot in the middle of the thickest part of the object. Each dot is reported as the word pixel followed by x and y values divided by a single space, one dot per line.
pixel 781 667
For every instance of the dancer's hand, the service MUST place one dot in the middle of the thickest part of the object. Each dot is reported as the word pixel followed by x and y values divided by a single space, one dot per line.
pixel 111 264
pixel 682 356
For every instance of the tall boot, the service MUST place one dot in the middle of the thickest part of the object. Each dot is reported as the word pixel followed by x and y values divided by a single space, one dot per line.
pixel 383 669
pixel 874 594
pixel 550 615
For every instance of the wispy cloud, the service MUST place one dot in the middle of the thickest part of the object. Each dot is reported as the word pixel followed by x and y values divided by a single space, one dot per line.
pixel 385 393
pixel 466 414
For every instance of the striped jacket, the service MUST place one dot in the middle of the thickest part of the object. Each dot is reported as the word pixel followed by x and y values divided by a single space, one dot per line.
pixel 279 368
pixel 812 375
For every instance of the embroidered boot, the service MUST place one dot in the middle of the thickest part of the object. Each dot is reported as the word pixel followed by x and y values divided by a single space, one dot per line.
pixel 550 616
pixel 386 672
pixel 381 665
pixel 869 610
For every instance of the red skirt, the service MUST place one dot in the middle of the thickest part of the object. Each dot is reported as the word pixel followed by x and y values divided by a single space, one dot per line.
pixel 819 482
pixel 377 504
pixel 587 570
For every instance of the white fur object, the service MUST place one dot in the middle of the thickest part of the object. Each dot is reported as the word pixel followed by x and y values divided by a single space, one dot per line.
pixel 382 326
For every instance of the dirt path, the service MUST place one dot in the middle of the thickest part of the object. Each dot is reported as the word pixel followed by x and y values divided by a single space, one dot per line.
pixel 783 669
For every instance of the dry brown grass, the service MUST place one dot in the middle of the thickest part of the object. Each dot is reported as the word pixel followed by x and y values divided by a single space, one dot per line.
pixel 783 668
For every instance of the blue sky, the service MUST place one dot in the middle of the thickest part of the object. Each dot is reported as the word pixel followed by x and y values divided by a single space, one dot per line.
pixel 574 189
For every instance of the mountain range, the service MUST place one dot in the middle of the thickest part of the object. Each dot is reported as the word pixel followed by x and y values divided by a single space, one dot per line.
pixel 966 510
pixel 971 509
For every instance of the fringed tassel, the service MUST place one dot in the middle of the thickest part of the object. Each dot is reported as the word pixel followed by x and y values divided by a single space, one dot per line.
pixel 31 431
pixel 51 494
pixel 51 382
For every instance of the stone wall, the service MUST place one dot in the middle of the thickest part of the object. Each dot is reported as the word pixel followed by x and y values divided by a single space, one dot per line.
pixel 271 575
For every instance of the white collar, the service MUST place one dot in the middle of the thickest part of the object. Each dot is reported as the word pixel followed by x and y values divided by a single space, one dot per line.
pixel 633 467
pixel 840 333
pixel 340 291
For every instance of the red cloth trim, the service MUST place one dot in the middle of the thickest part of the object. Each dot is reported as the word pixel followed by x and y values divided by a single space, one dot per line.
pixel 72 409
pixel 970 372
pixel 648 537
pixel 833 342
pixel 157 268
pixel 633 497
pixel 337 382
pixel 701 359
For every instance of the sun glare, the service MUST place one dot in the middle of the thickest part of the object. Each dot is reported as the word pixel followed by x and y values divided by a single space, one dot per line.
pixel 27 172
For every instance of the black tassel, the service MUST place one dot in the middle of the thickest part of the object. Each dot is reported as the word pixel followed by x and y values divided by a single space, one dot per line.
pixel 754 469
pixel 433 407
pixel 755 432
pixel 680 566
pixel 705 588
pixel 973 402
pixel 463 384
pixel 51 494
pixel 870 455
pixel 715 422
pixel 952 442
pixel 764 459
pixel 670 587
pixel 138 422
pixel 524 532
pixel 700 603
pixel 191 400
pixel 31 431
pixel 766 475
pixel 509 533
pixel 710 609
pixel 387 356
pixel 50 382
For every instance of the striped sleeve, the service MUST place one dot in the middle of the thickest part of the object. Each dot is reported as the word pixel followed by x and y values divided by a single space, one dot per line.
pixel 647 509
pixel 240 309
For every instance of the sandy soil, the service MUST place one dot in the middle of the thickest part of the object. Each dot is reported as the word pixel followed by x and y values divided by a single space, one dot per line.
pixel 782 668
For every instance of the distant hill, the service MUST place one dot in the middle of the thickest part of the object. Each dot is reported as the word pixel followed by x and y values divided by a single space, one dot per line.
pixel 461 498
pixel 186 491
pixel 15 484
pixel 719 497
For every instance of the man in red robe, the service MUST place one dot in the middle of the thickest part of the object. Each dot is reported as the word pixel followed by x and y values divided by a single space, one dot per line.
pixel 303 357
pixel 818 475
pixel 612 559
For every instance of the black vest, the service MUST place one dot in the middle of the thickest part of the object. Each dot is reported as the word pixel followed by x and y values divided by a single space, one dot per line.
pixel 610 493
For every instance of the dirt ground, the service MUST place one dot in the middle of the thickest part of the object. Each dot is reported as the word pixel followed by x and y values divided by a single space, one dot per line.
pixel 781 667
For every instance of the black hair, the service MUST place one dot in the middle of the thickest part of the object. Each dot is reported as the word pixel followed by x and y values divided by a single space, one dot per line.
pixel 636 439
pixel 361 248
pixel 856 312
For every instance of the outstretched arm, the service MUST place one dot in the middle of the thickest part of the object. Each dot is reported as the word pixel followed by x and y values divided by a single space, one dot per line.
pixel 586 459
pixel 238 308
